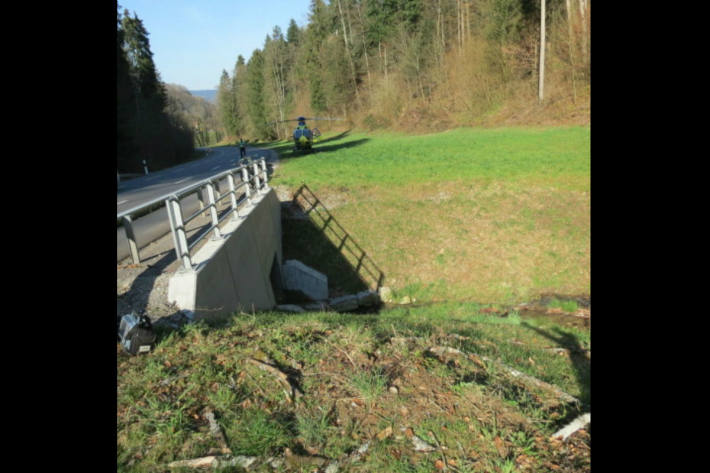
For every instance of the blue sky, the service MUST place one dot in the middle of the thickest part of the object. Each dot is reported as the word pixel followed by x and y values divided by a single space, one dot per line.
pixel 194 40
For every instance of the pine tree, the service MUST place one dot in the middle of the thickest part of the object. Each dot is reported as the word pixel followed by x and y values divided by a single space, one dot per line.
pixel 151 133
pixel 140 59
pixel 225 104
pixel 255 95
pixel 293 34
pixel 238 88
pixel 125 98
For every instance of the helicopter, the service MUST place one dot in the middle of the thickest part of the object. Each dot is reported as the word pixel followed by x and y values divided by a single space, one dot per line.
pixel 304 137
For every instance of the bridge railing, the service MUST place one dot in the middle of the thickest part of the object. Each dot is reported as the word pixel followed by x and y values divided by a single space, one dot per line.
pixel 252 177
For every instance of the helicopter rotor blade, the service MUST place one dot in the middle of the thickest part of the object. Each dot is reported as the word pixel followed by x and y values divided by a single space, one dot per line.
pixel 306 118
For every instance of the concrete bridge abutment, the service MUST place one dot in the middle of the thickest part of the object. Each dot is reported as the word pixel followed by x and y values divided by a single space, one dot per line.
pixel 236 272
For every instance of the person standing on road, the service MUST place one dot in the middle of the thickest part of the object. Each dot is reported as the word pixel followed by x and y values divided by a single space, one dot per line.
pixel 242 147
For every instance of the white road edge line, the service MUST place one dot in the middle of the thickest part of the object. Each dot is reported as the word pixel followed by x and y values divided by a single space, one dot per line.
pixel 122 202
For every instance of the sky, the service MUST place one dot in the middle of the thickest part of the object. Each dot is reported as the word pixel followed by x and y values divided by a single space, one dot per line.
pixel 194 40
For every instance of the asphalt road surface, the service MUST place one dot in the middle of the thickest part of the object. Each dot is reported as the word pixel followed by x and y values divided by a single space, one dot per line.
pixel 134 192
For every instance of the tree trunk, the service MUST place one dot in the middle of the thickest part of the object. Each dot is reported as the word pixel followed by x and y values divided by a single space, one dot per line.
pixel 443 34
pixel 467 23
pixel 347 51
pixel 459 33
pixel 364 48
pixel 583 11
pixel 386 80
pixel 542 52
pixel 571 49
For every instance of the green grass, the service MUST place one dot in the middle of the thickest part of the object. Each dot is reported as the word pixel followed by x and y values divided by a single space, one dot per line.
pixel 370 385
pixel 486 215
pixel 550 155
pixel 567 306
pixel 161 396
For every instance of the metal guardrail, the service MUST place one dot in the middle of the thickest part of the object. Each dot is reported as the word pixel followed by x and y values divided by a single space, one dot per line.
pixel 253 177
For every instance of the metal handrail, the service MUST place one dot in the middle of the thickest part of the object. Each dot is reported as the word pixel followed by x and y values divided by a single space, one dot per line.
pixel 181 192
pixel 249 178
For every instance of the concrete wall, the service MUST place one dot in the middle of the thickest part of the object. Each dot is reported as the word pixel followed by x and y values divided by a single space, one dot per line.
pixel 232 274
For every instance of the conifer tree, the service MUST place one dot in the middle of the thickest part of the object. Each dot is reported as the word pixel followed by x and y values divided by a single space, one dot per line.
pixel 146 130
pixel 225 104
pixel 238 89
pixel 125 135
pixel 255 95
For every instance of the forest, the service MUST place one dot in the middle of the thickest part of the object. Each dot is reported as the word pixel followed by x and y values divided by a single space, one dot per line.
pixel 416 66
pixel 146 128
pixel 401 65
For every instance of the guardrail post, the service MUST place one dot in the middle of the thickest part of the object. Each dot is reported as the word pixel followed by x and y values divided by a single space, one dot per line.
pixel 131 237
pixel 245 179
pixel 173 233
pixel 262 163
pixel 201 198
pixel 213 211
pixel 184 249
pixel 257 185
pixel 217 191
pixel 233 196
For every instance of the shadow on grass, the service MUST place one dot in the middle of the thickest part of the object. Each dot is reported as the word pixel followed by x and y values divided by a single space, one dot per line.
pixel 312 235
pixel 286 151
pixel 580 362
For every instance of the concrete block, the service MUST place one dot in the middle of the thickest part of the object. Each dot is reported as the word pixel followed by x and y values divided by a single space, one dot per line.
pixel 297 276
pixel 367 298
pixel 316 307
pixel 386 294
pixel 344 303
pixel 290 308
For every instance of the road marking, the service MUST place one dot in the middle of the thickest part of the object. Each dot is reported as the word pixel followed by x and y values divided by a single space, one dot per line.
pixel 182 180
pixel 122 202
pixel 216 167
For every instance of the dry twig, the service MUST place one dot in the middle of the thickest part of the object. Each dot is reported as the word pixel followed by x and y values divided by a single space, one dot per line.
pixel 341 351
pixel 216 432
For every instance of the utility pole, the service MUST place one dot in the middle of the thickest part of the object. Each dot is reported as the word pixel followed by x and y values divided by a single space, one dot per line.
pixel 542 51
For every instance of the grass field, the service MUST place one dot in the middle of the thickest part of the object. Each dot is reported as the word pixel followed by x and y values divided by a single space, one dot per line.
pixel 498 215
pixel 469 224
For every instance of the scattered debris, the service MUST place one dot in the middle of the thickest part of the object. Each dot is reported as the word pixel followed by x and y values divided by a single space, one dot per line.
pixel 282 377
pixel 334 465
pixel 214 461
pixel 216 432
pixel 384 433
pixel 440 353
pixel 535 382
pixel 573 426
pixel 421 446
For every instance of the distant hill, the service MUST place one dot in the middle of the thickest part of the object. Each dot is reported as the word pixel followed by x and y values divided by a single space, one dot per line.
pixel 209 95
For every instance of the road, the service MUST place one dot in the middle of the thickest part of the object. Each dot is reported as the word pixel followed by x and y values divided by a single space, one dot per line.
pixel 134 192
